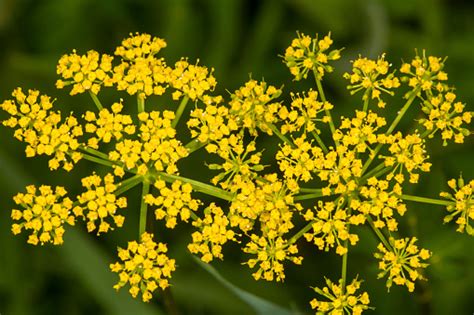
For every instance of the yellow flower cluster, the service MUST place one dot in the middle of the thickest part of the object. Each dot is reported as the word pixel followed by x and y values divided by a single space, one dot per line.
pixel 381 202
pixel 140 71
pixel 310 54
pixel 407 153
pixel 425 73
pixel 373 77
pixel 447 116
pixel 157 147
pixel 99 203
pixel 145 266
pixel 191 80
pixel 108 125
pixel 402 262
pixel 305 108
pixel 271 252
pixel 42 130
pixel 239 160
pixel 213 233
pixel 85 72
pixel 46 211
pixel 330 226
pixel 463 205
pixel 173 202
pixel 359 132
pixel 341 301
pixel 252 106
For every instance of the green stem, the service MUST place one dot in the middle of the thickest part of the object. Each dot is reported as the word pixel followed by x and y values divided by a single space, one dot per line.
pixel 310 190
pixel 373 171
pixel 366 101
pixel 195 145
pixel 140 103
pixel 308 196
pixel 344 268
pixel 198 186
pixel 392 127
pixel 143 207
pixel 180 111
pixel 323 98
pixel 426 200
pixel 128 184
pixel 320 142
pixel 94 152
pixel 96 100
pixel 300 233
pixel 378 233
pixel 280 135
pixel 97 160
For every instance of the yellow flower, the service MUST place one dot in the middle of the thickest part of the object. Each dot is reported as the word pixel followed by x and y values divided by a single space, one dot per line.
pixel 85 72
pixel 99 203
pixel 463 204
pixel 341 300
pixel 213 233
pixel 42 130
pixel 46 211
pixel 145 266
pixel 402 263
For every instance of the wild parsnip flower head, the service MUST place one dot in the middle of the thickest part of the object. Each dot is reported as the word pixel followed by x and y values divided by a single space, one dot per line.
pixel 214 231
pixel 462 206
pixel 191 80
pixel 372 77
pixel 253 106
pixel 339 300
pixel 108 125
pixel 140 71
pixel 402 262
pixel 45 212
pixel 173 202
pixel 42 129
pixel 270 254
pixel 330 226
pixel 144 266
pixel 99 203
pixel 407 153
pixel 305 108
pixel 85 72
pixel 239 159
pixel 425 73
pixel 308 54
pixel 445 115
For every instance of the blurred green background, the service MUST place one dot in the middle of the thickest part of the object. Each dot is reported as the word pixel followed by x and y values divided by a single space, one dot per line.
pixel 236 38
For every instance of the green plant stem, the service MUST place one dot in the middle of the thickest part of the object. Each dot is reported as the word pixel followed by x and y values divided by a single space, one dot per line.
pixel 180 110
pixel 373 171
pixel 140 103
pixel 96 100
pixel 378 233
pixel 300 233
pixel 366 101
pixel 128 184
pixel 392 127
pixel 143 207
pixel 426 200
pixel 195 145
pixel 198 186
pixel 323 98
pixel 280 135
pixel 94 152
pixel 97 160
pixel 308 196
pixel 344 268
pixel 320 142
pixel 310 190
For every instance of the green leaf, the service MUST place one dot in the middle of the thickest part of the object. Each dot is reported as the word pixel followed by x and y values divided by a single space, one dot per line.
pixel 259 305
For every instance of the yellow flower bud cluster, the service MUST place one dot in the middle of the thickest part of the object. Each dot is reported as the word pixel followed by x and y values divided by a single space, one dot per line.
pixel 341 301
pixel 253 108
pixel 305 108
pixel 307 54
pixel 425 73
pixel 85 72
pixel 46 211
pixel 447 116
pixel 42 129
pixel 407 153
pixel 402 263
pixel 191 80
pixel 99 203
pixel 213 233
pixel 330 226
pixel 145 266
pixel 173 202
pixel 107 125
pixel 373 77
pixel 271 252
pixel 463 205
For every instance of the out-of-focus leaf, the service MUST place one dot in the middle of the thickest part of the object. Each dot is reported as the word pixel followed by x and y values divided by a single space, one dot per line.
pixel 259 305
